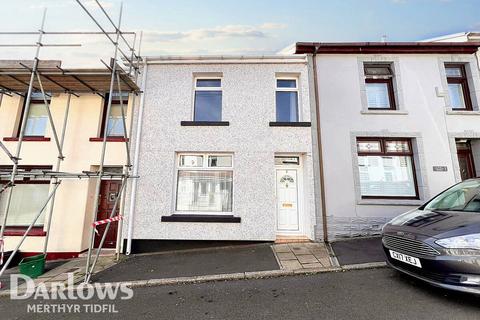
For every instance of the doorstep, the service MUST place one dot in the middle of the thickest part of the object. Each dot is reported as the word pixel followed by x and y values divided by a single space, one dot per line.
pixel 291 239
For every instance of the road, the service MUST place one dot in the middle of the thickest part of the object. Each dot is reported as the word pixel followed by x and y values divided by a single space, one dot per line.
pixel 361 294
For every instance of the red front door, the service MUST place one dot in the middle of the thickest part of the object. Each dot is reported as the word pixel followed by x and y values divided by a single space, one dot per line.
pixel 109 190
pixel 465 160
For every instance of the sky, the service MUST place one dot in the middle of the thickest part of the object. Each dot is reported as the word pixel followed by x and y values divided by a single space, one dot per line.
pixel 189 27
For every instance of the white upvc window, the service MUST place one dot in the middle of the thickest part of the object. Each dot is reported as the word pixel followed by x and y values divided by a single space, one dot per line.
pixel 286 99
pixel 28 197
pixel 207 99
pixel 204 182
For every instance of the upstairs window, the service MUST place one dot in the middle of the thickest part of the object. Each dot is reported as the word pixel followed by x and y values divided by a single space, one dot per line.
pixel 287 100
pixel 208 99
pixel 386 168
pixel 458 87
pixel 114 121
pixel 37 118
pixel 379 87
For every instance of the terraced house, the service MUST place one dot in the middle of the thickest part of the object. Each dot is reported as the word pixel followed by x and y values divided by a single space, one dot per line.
pixel 225 151
pixel 323 141
pixel 399 123
pixel 77 102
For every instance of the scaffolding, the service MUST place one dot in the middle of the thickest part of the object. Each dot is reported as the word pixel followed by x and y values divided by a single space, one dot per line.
pixel 23 78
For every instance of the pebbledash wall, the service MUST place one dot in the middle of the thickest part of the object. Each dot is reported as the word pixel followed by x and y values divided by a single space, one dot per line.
pixel 424 114
pixel 248 93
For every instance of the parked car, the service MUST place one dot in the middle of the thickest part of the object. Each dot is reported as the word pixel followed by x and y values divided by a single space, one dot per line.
pixel 440 241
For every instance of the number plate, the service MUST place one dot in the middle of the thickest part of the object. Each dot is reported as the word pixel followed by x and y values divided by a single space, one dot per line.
pixel 405 258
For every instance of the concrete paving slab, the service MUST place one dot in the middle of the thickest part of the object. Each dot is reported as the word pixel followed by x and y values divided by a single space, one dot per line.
pixel 291 265
pixel 286 256
pixel 307 258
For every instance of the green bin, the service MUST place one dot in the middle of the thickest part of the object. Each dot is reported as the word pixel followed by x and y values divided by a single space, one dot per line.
pixel 33 266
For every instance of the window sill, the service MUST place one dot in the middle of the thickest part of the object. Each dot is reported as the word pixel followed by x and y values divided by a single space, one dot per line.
pixel 391 202
pixel 109 139
pixel 385 112
pixel 19 231
pixel 289 124
pixel 38 139
pixel 463 112
pixel 201 218
pixel 205 123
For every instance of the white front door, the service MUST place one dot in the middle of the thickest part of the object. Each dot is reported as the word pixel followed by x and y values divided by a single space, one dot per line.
pixel 287 200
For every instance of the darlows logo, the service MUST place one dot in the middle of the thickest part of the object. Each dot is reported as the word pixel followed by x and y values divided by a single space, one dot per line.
pixel 23 288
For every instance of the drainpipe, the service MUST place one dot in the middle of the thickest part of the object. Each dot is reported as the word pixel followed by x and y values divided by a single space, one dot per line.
pixel 131 215
pixel 320 150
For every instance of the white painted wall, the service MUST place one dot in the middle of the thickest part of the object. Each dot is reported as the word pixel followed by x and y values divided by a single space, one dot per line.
pixel 249 105
pixel 425 118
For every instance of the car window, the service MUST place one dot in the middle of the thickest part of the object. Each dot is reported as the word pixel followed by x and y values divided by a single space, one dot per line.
pixel 464 196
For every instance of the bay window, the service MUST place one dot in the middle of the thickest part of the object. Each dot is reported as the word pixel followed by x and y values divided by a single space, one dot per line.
pixel 386 168
pixel 204 183
pixel 28 197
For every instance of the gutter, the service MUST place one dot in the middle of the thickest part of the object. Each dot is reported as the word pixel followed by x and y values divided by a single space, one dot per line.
pixel 320 149
pixel 212 59
pixel 138 135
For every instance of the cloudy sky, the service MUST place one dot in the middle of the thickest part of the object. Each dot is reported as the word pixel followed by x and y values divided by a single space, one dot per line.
pixel 233 27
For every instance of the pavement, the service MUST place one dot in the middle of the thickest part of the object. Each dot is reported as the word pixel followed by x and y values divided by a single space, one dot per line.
pixel 302 256
pixel 190 263
pixel 358 251
pixel 57 272
pixel 221 263
pixel 359 294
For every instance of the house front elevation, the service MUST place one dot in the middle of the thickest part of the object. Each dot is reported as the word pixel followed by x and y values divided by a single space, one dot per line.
pixel 225 150
pixel 400 122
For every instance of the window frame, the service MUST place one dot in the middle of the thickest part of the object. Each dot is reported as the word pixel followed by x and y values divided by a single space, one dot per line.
pixel 195 88
pixel 204 167
pixel 22 112
pixel 387 79
pixel 38 229
pixel 463 81
pixel 115 101
pixel 383 152
pixel 282 89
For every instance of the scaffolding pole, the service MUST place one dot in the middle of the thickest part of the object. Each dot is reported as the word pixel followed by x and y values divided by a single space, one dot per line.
pixel 104 235
pixel 22 126
pixel 49 113
pixel 56 175
pixel 55 179
pixel 104 142
pixel 5 266
pixel 8 153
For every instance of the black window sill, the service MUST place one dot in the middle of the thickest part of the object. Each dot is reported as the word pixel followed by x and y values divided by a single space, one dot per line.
pixel 205 123
pixel 290 124
pixel 201 218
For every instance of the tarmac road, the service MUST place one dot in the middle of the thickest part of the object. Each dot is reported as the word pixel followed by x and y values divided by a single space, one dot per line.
pixel 361 294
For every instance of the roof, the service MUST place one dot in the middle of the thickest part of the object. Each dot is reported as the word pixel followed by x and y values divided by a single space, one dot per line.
pixel 386 47
pixel 15 77
pixel 455 37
